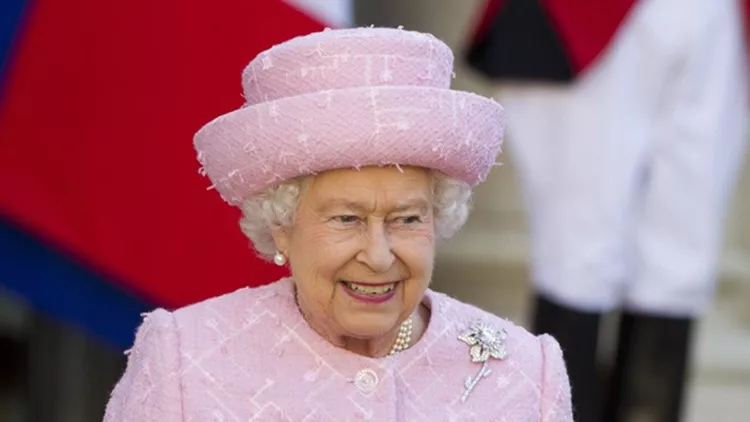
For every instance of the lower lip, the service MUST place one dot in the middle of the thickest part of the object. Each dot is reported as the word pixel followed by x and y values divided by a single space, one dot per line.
pixel 362 297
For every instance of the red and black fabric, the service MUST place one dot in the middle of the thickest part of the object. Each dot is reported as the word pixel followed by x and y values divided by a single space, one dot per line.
pixel 543 40
pixel 547 40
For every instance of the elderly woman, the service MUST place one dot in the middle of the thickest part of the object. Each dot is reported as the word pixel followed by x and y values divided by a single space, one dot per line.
pixel 350 160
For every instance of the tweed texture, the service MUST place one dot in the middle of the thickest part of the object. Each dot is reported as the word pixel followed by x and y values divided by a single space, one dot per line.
pixel 250 356
pixel 349 98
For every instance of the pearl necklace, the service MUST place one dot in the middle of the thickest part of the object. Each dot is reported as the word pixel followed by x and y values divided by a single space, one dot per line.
pixel 403 340
pixel 404 337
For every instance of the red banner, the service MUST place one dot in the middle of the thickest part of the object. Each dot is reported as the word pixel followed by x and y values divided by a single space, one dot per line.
pixel 102 100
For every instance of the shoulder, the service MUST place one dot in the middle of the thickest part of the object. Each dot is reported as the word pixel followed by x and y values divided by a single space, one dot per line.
pixel 529 352
pixel 155 337
pixel 154 360
pixel 161 325
pixel 241 298
pixel 213 320
pixel 527 370
pixel 457 316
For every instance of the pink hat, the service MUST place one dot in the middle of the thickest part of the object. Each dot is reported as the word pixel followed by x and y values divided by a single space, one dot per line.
pixel 350 98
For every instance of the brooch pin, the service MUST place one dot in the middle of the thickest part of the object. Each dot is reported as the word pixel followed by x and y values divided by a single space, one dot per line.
pixel 486 342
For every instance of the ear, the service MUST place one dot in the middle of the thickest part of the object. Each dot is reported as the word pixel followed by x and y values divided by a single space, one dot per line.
pixel 281 239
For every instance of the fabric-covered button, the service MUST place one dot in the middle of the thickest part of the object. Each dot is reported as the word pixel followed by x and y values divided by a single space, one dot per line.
pixel 366 380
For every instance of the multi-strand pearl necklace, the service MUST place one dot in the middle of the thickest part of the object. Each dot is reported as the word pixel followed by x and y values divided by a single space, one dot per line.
pixel 404 337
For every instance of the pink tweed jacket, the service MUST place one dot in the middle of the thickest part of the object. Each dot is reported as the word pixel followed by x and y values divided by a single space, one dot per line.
pixel 250 356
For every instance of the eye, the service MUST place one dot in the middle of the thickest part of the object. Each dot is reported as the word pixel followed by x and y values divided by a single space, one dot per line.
pixel 345 219
pixel 410 219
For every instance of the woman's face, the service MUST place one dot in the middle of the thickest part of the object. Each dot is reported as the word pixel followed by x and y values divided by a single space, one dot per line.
pixel 361 249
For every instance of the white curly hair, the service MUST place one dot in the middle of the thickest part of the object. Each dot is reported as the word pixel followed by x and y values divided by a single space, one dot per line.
pixel 275 207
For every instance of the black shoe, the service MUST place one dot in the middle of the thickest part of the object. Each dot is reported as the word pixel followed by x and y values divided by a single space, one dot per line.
pixel 648 381
pixel 578 335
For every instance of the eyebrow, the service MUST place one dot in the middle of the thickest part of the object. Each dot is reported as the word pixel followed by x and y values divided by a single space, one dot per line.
pixel 417 202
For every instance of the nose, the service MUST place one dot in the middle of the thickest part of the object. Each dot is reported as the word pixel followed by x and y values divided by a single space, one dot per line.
pixel 377 253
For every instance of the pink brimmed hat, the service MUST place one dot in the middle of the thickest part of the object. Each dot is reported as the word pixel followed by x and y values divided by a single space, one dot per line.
pixel 349 98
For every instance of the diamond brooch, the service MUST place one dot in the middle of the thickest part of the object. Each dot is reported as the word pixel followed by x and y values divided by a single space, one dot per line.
pixel 485 343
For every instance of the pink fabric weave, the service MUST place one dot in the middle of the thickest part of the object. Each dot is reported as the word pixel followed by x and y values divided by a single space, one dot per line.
pixel 349 98
pixel 250 356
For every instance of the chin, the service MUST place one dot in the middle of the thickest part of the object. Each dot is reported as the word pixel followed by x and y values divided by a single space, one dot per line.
pixel 366 326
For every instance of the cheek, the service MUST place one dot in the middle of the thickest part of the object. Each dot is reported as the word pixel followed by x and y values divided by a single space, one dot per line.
pixel 321 252
pixel 314 266
pixel 417 252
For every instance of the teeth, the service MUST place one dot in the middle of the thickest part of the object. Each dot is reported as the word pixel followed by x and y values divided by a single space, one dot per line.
pixel 370 290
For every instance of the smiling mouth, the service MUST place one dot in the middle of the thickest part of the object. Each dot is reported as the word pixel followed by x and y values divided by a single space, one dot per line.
pixel 369 289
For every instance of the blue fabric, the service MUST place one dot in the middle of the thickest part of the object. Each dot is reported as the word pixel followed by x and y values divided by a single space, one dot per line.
pixel 56 285
pixel 11 13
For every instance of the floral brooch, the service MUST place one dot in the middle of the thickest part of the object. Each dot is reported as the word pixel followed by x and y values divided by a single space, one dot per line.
pixel 485 342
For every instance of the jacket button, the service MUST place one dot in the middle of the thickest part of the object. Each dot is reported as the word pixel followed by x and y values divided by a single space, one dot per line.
pixel 366 380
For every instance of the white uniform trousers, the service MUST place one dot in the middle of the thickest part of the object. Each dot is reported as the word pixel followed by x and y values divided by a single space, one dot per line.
pixel 628 172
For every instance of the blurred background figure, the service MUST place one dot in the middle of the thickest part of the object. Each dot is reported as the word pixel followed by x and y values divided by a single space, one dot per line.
pixel 88 240
pixel 627 121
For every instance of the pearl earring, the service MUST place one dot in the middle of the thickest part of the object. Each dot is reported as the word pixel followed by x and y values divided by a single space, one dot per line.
pixel 279 259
